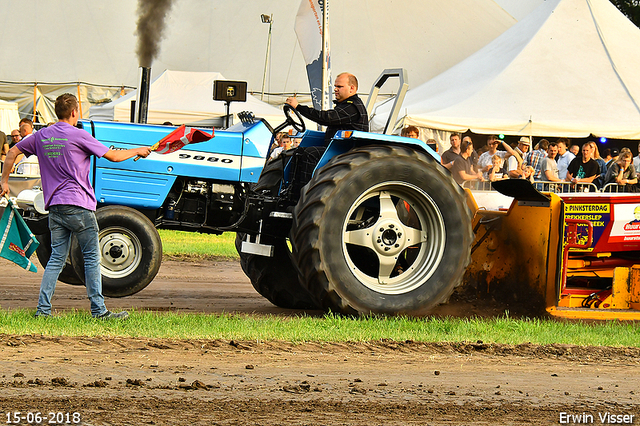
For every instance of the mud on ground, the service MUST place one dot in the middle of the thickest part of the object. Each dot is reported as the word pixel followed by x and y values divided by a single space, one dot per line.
pixel 123 381
pixel 215 287
pixel 158 381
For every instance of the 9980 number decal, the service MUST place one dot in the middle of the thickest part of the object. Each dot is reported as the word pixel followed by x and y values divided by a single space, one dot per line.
pixel 212 159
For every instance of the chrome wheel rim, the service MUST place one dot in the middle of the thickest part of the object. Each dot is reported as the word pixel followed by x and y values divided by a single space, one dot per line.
pixel 121 252
pixel 393 237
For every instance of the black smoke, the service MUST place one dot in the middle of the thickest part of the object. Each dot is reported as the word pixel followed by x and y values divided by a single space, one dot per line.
pixel 150 28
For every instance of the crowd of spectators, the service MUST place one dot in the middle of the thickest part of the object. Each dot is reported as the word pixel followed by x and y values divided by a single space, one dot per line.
pixel 558 161
pixel 547 162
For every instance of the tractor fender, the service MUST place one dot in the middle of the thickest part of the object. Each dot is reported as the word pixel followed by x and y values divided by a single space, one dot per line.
pixel 346 140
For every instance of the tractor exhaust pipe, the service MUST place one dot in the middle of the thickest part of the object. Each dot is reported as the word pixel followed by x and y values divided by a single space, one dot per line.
pixel 142 100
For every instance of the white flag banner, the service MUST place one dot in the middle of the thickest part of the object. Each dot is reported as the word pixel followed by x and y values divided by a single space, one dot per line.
pixel 308 28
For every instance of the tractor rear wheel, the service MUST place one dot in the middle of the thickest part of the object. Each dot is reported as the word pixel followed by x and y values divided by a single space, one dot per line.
pixel 382 229
pixel 275 278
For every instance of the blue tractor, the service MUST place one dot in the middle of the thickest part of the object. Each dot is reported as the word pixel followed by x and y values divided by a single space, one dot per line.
pixel 370 224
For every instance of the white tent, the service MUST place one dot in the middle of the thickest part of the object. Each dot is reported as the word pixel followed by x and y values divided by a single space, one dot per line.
pixel 425 37
pixel 567 69
pixel 9 118
pixel 183 97
pixel 37 98
pixel 519 8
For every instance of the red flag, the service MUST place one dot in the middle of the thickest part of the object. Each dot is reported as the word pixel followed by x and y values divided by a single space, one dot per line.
pixel 179 138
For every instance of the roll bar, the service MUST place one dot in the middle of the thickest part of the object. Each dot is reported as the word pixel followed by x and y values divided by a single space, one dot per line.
pixel 402 91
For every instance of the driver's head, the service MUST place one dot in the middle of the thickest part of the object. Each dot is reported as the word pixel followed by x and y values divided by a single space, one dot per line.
pixel 346 85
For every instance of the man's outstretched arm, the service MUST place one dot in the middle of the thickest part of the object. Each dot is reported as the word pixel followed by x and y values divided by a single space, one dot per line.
pixel 117 155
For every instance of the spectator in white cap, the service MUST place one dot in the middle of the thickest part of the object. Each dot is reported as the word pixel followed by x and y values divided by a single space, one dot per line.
pixel 515 169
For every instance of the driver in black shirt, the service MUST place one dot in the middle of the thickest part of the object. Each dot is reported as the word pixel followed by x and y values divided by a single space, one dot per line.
pixel 349 112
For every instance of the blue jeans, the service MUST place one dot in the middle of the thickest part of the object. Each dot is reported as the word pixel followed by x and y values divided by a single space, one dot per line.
pixel 65 220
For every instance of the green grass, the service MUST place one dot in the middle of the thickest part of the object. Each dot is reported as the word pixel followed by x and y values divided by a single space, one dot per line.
pixel 329 328
pixel 183 244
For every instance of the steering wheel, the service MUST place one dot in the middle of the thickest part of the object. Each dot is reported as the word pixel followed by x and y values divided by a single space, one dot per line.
pixel 296 122
pixel 299 125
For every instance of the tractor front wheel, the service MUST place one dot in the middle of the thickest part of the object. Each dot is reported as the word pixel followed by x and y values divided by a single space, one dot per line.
pixel 68 274
pixel 130 248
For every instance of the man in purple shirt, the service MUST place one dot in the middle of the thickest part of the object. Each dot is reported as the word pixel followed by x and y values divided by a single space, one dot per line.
pixel 64 153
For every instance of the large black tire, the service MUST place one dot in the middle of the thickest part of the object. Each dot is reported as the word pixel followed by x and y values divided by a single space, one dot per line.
pixel 276 278
pixel 382 229
pixel 68 274
pixel 131 251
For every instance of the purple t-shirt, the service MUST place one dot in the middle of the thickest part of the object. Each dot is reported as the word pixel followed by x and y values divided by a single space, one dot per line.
pixel 64 154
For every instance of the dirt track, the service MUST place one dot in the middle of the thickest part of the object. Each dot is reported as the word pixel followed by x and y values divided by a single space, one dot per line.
pixel 149 381
pixel 189 286
pixel 180 285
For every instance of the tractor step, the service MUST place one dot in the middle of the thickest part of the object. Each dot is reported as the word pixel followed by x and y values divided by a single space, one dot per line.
pixel 257 249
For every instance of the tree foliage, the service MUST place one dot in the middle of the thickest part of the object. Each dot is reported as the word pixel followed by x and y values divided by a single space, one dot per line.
pixel 631 9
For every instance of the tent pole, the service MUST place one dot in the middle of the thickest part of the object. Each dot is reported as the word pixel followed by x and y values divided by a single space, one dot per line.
pixel 35 100
pixel 79 101
pixel 266 59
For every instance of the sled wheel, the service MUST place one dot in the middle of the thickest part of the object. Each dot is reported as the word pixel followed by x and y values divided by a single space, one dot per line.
pixel 382 229
pixel 275 278
pixel 131 251
pixel 68 274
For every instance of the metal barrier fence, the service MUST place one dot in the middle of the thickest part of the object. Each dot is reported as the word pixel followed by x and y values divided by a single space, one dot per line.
pixel 476 185
pixel 543 186
pixel 564 187
pixel 615 188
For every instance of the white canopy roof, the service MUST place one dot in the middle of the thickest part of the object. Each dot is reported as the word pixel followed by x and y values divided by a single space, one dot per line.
pixel 567 69
pixel 183 97
pixel 519 8
pixel 425 37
